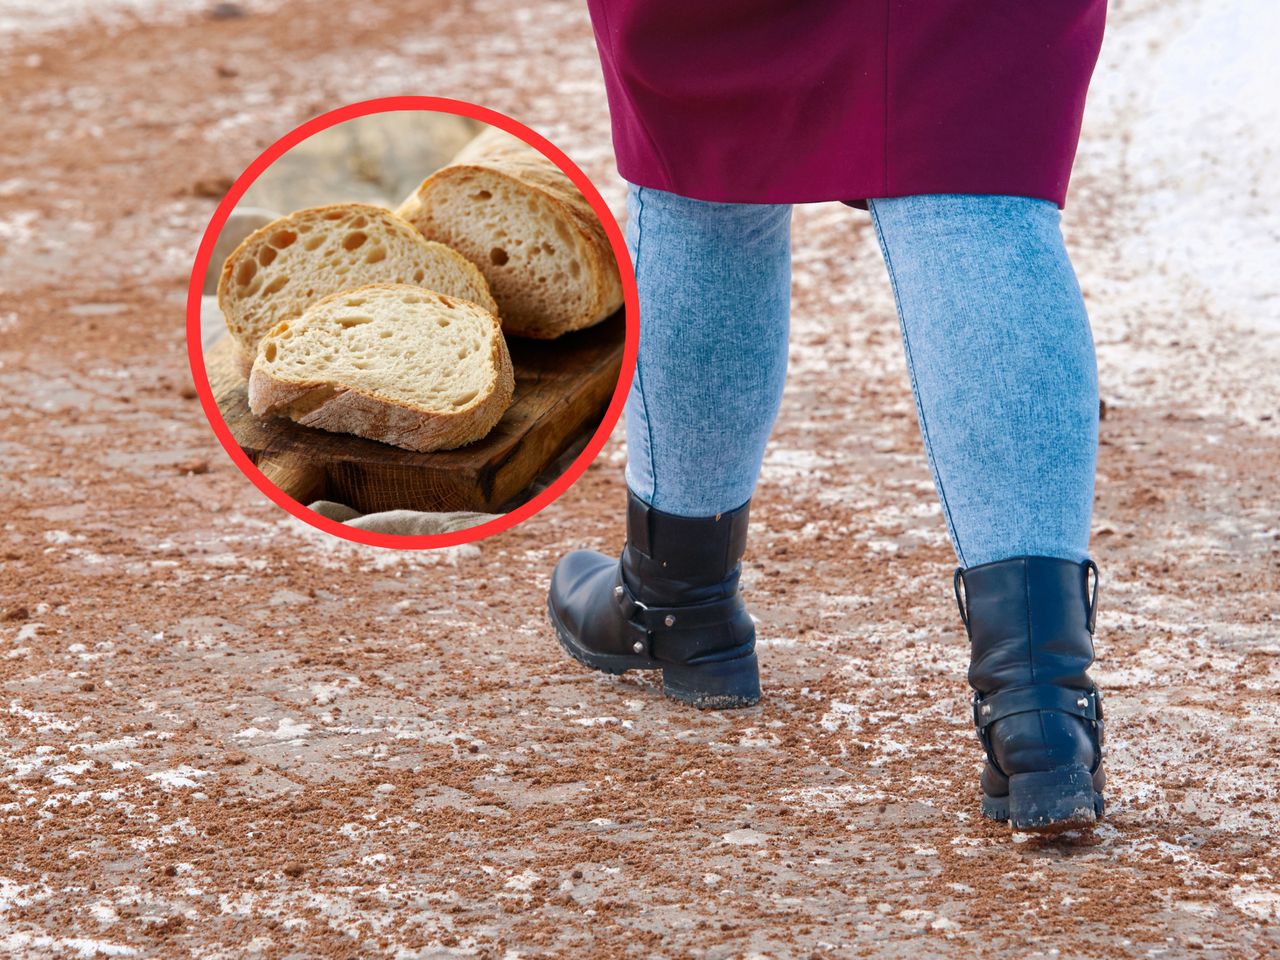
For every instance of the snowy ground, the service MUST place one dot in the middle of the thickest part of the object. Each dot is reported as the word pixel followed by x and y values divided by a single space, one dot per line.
pixel 226 735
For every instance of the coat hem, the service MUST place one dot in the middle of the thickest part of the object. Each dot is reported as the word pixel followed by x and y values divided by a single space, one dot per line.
pixel 854 194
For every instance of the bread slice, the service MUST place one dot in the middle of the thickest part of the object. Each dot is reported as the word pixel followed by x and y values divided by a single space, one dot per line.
pixel 284 267
pixel 391 362
pixel 532 233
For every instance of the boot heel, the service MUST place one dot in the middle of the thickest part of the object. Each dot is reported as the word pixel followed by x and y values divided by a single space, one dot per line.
pixel 1053 800
pixel 714 684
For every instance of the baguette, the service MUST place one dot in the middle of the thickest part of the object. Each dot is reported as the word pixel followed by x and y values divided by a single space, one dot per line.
pixel 284 267
pixel 391 362
pixel 519 218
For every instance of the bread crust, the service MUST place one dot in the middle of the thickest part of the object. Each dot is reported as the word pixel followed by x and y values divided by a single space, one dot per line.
pixel 247 333
pixel 336 409
pixel 497 153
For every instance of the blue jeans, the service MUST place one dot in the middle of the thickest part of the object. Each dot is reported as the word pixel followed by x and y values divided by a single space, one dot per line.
pixel 996 338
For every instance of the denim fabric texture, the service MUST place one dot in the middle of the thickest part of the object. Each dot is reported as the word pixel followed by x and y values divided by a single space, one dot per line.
pixel 996 337
pixel 715 312
pixel 1002 366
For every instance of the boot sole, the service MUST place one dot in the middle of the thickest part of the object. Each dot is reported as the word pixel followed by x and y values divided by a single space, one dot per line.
pixel 710 685
pixel 1048 801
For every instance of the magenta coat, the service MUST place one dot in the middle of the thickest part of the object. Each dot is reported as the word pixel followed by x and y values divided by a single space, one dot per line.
pixel 776 101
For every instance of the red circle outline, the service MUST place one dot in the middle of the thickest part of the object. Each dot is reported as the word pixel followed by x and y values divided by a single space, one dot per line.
pixel 195 349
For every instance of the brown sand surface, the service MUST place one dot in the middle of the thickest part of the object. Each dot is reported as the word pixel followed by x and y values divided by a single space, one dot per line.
pixel 223 734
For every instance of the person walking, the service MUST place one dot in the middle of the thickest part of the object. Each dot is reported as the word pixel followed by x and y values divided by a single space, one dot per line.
pixel 955 125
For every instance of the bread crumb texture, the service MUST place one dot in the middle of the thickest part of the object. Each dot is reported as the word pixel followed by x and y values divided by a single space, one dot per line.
pixel 291 263
pixel 516 216
pixel 390 362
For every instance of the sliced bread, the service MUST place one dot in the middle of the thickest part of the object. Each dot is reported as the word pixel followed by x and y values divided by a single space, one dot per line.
pixel 532 233
pixel 281 269
pixel 391 362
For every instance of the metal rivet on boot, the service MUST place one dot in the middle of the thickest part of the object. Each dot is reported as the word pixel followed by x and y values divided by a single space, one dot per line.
pixel 1082 702
pixel 638 647
pixel 617 591
pixel 670 621
pixel 986 709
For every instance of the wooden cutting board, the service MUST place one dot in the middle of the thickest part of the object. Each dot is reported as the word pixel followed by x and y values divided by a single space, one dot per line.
pixel 562 389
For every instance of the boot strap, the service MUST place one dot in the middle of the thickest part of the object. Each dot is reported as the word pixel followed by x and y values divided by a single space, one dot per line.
pixel 1085 704
pixel 648 623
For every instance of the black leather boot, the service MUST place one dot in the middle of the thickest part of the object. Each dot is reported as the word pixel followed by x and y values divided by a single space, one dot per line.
pixel 1039 716
pixel 670 603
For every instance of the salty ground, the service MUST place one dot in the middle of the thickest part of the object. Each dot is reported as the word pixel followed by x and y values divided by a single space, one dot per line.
pixel 227 735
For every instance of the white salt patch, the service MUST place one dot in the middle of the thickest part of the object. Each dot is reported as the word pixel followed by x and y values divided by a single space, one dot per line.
pixel 18 229
pixel 913 914
pixel 20 894
pixel 522 881
pixel 23 18
pixel 20 943
pixel 1262 904
pixel 325 693
pixel 178 778
pixel 841 716
pixel 744 837
pixel 44 722
pixel 888 749
pixel 96 310
pixel 286 729
pixel 122 743
pixel 63 774
pixel 832 798
pixel 754 737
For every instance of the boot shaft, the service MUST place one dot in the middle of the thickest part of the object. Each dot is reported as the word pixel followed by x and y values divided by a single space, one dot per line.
pixel 677 560
pixel 1030 621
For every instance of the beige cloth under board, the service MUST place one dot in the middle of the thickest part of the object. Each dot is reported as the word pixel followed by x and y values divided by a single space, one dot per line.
pixel 400 523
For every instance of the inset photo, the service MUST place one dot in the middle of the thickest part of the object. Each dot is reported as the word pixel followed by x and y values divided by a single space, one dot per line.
pixel 412 322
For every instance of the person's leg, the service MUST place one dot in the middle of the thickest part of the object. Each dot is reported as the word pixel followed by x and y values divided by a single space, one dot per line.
pixel 715 296
pixel 715 287
pixel 1002 366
